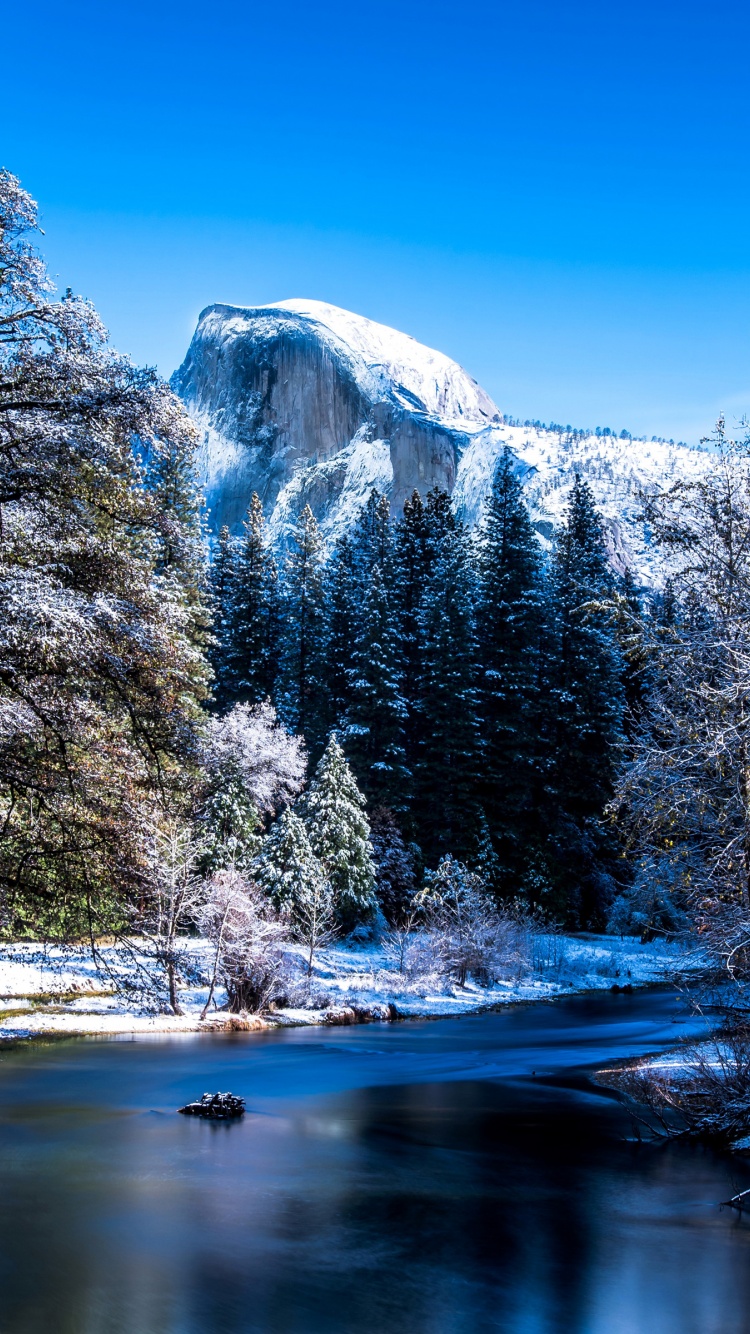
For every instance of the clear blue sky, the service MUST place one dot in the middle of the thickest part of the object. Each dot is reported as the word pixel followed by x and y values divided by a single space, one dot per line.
pixel 556 194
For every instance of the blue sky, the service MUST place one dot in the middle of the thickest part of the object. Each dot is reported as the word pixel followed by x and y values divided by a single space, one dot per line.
pixel 556 194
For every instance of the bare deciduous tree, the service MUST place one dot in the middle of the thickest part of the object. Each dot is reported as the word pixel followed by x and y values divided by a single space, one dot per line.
pixel 174 900
pixel 468 935
pixel 248 936
pixel 314 916
pixel 684 799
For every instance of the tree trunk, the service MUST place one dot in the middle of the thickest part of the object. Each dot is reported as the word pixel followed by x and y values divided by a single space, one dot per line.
pixel 172 979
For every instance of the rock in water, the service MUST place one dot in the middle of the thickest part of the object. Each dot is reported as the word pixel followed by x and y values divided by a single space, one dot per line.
pixel 215 1106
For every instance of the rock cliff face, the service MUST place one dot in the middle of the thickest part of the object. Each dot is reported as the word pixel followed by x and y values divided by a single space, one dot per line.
pixel 306 403
pixel 303 402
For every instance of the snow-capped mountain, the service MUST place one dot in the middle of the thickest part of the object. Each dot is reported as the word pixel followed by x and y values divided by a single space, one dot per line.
pixel 305 402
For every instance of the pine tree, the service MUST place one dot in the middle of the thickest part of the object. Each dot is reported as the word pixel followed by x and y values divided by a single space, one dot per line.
pixel 509 626
pixel 222 593
pixel 230 825
pixel 372 539
pixel 252 665
pixel 180 528
pixel 286 866
pixel 439 518
pixel 484 861
pixel 301 686
pixel 589 693
pixel 587 696
pixel 375 720
pixel 628 616
pixel 446 761
pixel 342 606
pixel 395 871
pixel 411 565
pixel 333 809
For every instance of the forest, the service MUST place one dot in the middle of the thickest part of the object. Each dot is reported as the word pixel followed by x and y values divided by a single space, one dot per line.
pixel 422 727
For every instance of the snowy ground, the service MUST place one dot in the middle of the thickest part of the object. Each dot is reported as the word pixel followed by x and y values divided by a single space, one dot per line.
pixel 50 991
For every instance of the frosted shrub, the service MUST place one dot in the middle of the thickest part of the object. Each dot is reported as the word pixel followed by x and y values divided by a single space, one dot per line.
pixel 467 934
pixel 248 936
pixel 407 949
pixel 249 742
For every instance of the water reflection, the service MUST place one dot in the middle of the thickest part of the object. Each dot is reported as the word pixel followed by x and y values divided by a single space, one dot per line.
pixel 415 1178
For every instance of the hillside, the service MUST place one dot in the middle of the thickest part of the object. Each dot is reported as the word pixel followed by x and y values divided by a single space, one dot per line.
pixel 306 403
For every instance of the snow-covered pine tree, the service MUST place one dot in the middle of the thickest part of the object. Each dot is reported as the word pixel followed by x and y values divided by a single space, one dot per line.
pixel 254 625
pixel 342 606
pixel 484 861
pixel 445 805
pixel 440 519
pixel 589 665
pixel 222 593
pixel 395 871
pixel 375 721
pixel 333 809
pixel 411 565
pixel 300 688
pixel 182 561
pixel 231 823
pixel 635 651
pixel 286 866
pixel 372 540
pixel 510 618
pixel 587 698
pixel 418 540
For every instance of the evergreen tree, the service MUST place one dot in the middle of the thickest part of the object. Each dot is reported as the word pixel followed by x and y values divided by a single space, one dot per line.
pixel 440 520
pixel 395 871
pixel 484 861
pixel 252 654
pixel 375 720
pixel 180 531
pixel 587 696
pixel 411 565
pixel 340 632
pixel 333 809
pixel 509 627
pixel 372 540
pixel 222 593
pixel 628 615
pixel 301 684
pixel 230 825
pixel 589 692
pixel 286 866
pixel 445 777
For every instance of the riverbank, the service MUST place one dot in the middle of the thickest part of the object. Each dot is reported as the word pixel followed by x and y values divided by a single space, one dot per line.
pixel 49 990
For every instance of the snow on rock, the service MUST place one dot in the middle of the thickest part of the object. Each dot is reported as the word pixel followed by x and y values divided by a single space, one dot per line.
pixel 617 469
pixel 306 403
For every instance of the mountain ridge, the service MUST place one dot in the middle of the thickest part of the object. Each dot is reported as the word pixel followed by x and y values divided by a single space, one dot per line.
pixel 305 402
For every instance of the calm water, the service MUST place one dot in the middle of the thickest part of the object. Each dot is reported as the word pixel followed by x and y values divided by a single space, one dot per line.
pixel 430 1178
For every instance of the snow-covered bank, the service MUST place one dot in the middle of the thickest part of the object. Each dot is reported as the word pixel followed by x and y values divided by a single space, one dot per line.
pixel 54 991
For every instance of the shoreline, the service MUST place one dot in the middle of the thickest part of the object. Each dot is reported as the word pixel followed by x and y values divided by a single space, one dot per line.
pixel 46 993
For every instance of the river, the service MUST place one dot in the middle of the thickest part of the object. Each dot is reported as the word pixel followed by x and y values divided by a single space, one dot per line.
pixel 417 1178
